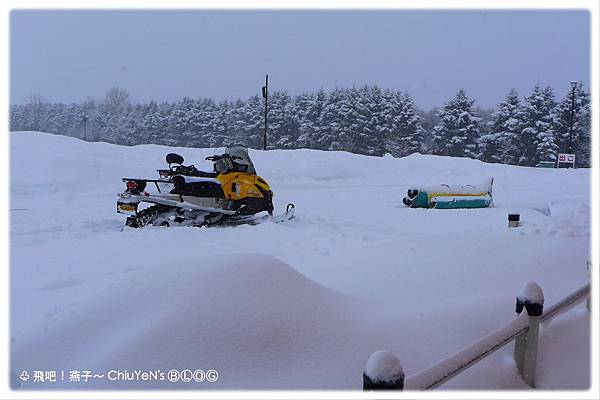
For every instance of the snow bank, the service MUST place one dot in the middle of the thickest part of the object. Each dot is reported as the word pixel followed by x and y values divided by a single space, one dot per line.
pixel 247 316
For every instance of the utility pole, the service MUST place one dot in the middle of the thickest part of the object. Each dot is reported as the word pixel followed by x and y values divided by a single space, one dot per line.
pixel 265 93
pixel 573 86
pixel 85 119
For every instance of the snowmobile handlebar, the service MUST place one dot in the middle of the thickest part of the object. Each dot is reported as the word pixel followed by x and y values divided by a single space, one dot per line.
pixel 217 158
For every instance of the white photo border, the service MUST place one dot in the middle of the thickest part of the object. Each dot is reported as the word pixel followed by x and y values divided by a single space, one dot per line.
pixel 10 5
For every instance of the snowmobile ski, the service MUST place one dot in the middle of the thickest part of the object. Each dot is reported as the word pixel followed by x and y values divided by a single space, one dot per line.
pixel 257 220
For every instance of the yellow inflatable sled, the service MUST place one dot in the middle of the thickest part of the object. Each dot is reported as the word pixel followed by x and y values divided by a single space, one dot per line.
pixel 450 196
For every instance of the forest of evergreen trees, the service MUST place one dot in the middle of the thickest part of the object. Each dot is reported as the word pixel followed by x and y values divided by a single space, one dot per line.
pixel 367 120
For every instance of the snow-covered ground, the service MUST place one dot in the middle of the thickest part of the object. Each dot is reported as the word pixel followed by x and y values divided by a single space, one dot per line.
pixel 300 305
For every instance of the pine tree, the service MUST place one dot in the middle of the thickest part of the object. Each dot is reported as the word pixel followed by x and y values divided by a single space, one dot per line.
pixel 113 115
pixel 430 120
pixel 333 121
pixel 582 127
pixel 36 113
pixel 236 124
pixel 581 143
pixel 252 122
pixel 282 123
pixel 222 134
pixel 539 119
pixel 377 126
pixel 17 118
pixel 363 131
pixel 309 108
pixel 501 144
pixel 457 133
pixel 404 132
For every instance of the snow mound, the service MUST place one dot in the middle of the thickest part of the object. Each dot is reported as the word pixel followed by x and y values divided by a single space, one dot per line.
pixel 233 314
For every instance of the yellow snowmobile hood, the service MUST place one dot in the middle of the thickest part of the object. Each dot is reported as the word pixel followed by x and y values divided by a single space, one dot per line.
pixel 240 185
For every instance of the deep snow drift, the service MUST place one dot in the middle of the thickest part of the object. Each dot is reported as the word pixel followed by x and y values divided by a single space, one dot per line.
pixel 296 305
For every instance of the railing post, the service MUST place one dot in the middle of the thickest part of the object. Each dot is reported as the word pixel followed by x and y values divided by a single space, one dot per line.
pixel 525 354
pixel 383 372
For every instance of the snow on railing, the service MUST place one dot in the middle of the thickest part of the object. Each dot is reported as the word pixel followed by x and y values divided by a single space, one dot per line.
pixel 384 370
pixel 449 367
pixel 567 303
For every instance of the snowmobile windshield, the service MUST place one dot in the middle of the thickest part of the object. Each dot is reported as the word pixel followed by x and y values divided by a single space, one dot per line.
pixel 223 165
pixel 238 161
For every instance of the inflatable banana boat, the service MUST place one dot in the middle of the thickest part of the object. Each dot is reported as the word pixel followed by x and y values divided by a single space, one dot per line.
pixel 450 196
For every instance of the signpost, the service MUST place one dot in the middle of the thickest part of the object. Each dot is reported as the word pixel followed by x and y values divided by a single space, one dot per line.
pixel 85 120
pixel 265 94
pixel 565 158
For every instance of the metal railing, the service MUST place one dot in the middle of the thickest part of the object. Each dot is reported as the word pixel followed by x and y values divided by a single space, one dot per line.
pixel 524 330
pixel 567 303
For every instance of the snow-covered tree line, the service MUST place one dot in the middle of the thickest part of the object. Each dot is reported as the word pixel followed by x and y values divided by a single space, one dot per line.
pixel 366 120
pixel 537 128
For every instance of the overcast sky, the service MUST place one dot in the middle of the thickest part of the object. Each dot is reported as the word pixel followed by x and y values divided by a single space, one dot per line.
pixel 166 55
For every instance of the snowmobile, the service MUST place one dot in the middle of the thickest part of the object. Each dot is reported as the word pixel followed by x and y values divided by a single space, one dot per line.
pixel 232 193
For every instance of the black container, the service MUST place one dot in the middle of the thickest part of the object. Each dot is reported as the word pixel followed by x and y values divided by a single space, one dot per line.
pixel 514 220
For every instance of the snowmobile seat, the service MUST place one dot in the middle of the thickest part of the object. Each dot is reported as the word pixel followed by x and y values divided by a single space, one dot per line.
pixel 204 174
pixel 174 158
pixel 191 170
pixel 197 187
